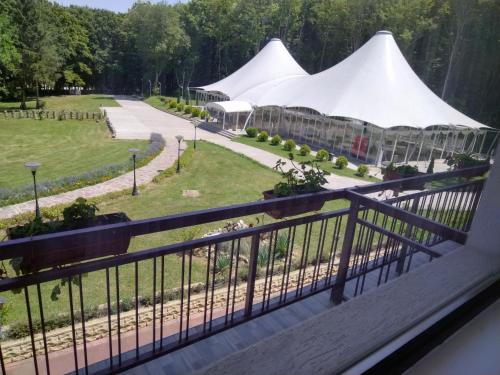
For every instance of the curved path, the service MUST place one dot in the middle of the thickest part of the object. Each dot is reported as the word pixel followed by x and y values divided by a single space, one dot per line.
pixel 169 126
pixel 137 120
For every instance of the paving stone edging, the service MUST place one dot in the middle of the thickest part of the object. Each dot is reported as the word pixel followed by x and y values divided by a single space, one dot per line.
pixel 62 338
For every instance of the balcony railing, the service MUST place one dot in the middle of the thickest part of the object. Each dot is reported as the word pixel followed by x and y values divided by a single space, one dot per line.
pixel 140 305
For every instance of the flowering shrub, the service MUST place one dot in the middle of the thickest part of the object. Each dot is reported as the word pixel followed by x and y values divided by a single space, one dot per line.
pixel 92 177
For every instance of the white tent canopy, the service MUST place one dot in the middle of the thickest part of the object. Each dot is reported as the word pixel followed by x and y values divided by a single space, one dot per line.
pixel 230 106
pixel 375 84
pixel 273 62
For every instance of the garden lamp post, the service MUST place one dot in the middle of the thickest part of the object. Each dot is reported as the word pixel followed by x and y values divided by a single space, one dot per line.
pixel 33 166
pixel 179 140
pixel 195 127
pixel 149 87
pixel 134 152
pixel 159 84
pixel 142 87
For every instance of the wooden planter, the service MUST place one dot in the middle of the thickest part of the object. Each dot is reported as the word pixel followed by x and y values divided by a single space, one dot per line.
pixel 61 252
pixel 293 209
pixel 405 185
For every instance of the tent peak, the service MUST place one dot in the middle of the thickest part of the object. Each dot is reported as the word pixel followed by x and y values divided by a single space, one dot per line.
pixel 383 32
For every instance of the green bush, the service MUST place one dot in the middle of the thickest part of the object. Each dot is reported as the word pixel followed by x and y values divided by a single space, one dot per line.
pixel 362 170
pixel 180 107
pixel 276 140
pixel 172 104
pixel 430 168
pixel 304 150
pixel 204 114
pixel 263 136
pixel 341 162
pixel 188 109
pixel 196 112
pixel 252 132
pixel 289 145
pixel 322 155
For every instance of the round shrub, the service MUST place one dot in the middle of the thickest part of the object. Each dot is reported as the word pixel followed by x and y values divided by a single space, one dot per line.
pixel 172 104
pixel 188 109
pixel 252 132
pixel 289 145
pixel 362 170
pixel 276 140
pixel 304 150
pixel 322 155
pixel 341 162
pixel 263 136
pixel 180 107
pixel 195 112
pixel 204 114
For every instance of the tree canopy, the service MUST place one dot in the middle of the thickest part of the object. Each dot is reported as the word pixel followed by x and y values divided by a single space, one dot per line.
pixel 453 45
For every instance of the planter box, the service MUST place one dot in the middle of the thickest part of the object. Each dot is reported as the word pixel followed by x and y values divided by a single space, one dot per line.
pixel 292 210
pixel 409 185
pixel 66 252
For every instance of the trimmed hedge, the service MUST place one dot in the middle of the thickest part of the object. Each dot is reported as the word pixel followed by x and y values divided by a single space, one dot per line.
pixel 188 109
pixel 304 150
pixel 196 112
pixel 322 155
pixel 172 104
pixel 275 140
pixel 204 114
pixel 362 170
pixel 263 136
pixel 341 162
pixel 289 145
pixel 180 107
pixel 252 132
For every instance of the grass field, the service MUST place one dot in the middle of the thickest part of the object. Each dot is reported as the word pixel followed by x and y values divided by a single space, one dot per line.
pixel 221 177
pixel 84 103
pixel 65 148
pixel 326 165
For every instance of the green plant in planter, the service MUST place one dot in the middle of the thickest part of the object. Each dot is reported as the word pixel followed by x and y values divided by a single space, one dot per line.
pixel 341 162
pixel 81 213
pixel 308 178
pixel 304 150
pixel 362 170
pixel 322 155
pixel 289 145
pixel 275 140
pixel 263 136
pixel 252 132
pixel 407 170
pixel 459 161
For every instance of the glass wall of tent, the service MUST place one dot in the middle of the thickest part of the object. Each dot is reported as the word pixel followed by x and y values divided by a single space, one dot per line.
pixel 370 144
pixel 203 97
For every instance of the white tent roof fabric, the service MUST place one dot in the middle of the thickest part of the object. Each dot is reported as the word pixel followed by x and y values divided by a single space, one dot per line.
pixel 271 63
pixel 375 84
pixel 231 106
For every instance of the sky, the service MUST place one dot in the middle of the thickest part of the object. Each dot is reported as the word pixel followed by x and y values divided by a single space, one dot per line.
pixel 114 5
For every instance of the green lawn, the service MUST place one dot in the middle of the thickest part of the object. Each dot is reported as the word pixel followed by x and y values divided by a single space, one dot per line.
pixel 326 165
pixel 221 176
pixel 65 148
pixel 84 103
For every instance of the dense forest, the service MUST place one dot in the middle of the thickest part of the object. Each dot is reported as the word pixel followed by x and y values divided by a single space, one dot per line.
pixel 453 45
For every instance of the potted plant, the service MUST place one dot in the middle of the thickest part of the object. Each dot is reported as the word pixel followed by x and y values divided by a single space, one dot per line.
pixel 307 178
pixel 392 172
pixel 461 161
pixel 79 215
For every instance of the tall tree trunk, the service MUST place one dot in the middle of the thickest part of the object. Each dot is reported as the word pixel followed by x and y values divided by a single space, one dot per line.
pixel 23 96
pixel 37 95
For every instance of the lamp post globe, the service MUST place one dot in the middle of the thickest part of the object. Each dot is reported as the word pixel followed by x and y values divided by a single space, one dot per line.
pixel 134 152
pixel 33 166
pixel 179 140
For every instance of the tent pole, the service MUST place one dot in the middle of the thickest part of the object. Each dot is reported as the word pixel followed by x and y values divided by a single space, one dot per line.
pixel 301 125
pixel 270 117
pixel 421 145
pixel 482 143
pixel 380 151
pixel 394 148
pixel 444 145
pixel 369 143
pixel 224 121
pixel 432 148
pixel 343 138
pixel 315 126
pixel 248 120
pixel 473 144
pixel 360 141
pixel 237 120
pixel 455 143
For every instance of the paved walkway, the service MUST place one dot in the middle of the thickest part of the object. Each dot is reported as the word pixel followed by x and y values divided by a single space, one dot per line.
pixel 137 120
pixel 144 175
pixel 169 125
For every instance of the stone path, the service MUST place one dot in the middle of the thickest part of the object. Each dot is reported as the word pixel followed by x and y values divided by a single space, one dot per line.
pixel 144 175
pixel 169 125
pixel 137 120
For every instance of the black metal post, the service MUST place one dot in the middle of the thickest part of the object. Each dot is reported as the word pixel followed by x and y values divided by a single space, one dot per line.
pixel 37 207
pixel 195 136
pixel 134 190
pixel 179 157
pixel 252 274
